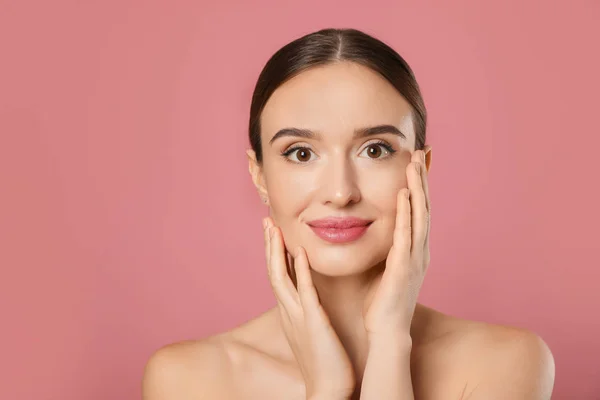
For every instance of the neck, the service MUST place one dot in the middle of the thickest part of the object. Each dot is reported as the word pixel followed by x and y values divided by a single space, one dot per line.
pixel 343 299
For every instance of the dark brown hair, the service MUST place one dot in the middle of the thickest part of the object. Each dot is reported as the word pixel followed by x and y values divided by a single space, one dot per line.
pixel 334 45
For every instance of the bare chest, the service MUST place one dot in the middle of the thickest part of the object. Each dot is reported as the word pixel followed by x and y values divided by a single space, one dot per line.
pixel 435 376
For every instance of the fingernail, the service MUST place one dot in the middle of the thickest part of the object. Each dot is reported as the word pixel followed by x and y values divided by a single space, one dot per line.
pixel 264 222
pixel 423 156
pixel 271 231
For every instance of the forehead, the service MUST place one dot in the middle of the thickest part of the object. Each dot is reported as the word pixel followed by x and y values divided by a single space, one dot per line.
pixel 335 99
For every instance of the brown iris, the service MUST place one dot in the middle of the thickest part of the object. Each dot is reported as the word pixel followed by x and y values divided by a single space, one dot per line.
pixel 303 155
pixel 374 151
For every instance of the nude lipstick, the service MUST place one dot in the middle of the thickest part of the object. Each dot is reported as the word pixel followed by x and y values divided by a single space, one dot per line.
pixel 339 229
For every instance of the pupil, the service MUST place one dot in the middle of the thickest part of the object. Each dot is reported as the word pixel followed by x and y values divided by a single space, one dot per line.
pixel 373 150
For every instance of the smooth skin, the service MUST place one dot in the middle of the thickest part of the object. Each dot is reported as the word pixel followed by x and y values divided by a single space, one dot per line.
pixel 347 324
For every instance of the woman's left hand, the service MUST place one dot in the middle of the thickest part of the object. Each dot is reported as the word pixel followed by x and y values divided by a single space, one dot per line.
pixel 391 300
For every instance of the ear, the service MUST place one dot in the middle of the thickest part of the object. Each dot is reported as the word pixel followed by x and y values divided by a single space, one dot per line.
pixel 256 172
pixel 427 151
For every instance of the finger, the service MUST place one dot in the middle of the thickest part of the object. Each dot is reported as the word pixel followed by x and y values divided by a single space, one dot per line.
pixel 424 179
pixel 291 269
pixel 306 289
pixel 280 280
pixel 400 251
pixel 266 239
pixel 425 184
pixel 418 205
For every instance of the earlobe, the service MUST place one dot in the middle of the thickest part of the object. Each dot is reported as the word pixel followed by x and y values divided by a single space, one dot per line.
pixel 256 172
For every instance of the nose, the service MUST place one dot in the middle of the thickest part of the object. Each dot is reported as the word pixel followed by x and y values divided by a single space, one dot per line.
pixel 339 184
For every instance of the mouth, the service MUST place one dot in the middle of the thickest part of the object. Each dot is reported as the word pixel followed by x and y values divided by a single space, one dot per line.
pixel 340 230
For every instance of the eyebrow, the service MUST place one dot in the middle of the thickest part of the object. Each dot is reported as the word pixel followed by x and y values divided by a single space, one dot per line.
pixel 358 133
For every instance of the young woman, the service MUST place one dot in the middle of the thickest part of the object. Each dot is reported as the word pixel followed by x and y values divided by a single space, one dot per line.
pixel 337 130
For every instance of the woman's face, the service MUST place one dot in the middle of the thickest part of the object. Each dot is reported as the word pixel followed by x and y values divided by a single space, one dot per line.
pixel 338 171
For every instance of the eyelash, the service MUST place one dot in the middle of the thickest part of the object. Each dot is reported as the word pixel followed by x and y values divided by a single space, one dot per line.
pixel 381 143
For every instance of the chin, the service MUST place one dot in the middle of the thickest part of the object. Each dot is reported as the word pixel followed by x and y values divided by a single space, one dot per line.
pixel 343 260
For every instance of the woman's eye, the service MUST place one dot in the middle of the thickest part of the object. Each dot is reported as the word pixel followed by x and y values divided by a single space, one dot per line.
pixel 302 154
pixel 376 150
pixel 373 151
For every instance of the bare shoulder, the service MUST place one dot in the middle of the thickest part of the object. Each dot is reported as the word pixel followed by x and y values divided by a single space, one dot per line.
pixel 187 370
pixel 513 362
pixel 239 363
pixel 499 361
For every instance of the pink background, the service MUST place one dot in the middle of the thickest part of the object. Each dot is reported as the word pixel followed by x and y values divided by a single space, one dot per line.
pixel 128 219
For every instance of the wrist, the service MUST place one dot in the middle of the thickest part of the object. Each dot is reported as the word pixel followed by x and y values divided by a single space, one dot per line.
pixel 391 341
pixel 326 397
pixel 326 394
pixel 390 348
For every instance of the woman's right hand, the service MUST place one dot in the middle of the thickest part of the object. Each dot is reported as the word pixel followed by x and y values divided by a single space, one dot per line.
pixel 324 363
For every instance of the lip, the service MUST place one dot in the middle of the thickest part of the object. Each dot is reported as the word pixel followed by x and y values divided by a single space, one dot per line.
pixel 340 229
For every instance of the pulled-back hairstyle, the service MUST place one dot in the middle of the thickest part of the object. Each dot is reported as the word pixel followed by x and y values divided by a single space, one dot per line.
pixel 335 45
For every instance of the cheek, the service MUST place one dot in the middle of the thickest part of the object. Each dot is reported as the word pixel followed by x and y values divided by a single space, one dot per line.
pixel 381 192
pixel 382 186
pixel 288 197
pixel 288 193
